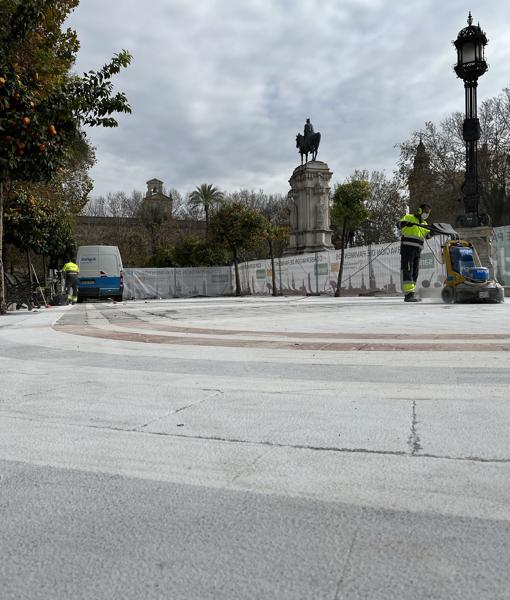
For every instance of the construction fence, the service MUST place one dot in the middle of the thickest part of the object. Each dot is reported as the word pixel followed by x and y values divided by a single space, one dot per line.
pixel 371 269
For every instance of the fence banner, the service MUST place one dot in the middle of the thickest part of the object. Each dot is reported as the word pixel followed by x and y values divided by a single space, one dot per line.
pixel 177 283
pixel 501 252
pixel 366 269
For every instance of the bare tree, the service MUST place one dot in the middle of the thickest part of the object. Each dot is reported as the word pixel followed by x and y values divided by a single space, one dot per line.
pixel 183 208
pixel 116 204
pixel 446 149
pixel 273 206
pixel 385 206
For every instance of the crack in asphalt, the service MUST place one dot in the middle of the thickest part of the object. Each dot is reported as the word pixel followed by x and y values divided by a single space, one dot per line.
pixel 232 440
pixel 414 439
pixel 217 392
pixel 251 465
pixel 347 562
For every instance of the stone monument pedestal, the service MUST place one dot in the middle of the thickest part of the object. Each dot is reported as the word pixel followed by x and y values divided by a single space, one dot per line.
pixel 309 209
pixel 481 238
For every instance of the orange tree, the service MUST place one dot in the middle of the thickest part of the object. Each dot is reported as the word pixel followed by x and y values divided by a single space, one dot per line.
pixel 37 223
pixel 237 227
pixel 43 108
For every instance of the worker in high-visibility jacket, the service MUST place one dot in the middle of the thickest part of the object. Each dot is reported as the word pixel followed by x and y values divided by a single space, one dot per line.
pixel 71 270
pixel 413 239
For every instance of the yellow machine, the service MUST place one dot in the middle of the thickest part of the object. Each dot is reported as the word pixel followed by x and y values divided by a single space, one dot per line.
pixel 466 279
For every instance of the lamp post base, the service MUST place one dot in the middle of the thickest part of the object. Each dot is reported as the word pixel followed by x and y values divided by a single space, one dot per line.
pixel 473 219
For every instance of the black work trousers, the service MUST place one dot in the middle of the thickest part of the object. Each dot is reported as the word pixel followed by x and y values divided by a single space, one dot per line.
pixel 410 266
pixel 72 286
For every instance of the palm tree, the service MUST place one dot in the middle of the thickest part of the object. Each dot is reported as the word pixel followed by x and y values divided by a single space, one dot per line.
pixel 206 196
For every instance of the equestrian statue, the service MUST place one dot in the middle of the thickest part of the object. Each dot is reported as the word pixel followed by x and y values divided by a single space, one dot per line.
pixel 309 142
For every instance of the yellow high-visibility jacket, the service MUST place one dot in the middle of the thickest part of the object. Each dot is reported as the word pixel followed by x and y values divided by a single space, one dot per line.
pixel 70 267
pixel 412 233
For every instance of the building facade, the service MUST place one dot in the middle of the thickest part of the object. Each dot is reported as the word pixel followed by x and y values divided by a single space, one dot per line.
pixel 138 238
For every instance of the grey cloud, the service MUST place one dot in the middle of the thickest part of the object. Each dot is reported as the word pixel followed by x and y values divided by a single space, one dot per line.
pixel 220 89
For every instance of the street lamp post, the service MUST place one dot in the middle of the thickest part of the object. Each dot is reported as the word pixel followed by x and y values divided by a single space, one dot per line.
pixel 471 65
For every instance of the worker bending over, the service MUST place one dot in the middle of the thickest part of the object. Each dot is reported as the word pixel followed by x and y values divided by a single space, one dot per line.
pixel 71 270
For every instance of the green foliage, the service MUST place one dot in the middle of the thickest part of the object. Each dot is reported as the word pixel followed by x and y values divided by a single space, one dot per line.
pixel 42 107
pixel 348 209
pixel 274 207
pixel 238 228
pixel 276 233
pixel 93 101
pixel 42 114
pixel 38 134
pixel 161 257
pixel 277 237
pixel 206 197
pixel 36 224
pixel 191 251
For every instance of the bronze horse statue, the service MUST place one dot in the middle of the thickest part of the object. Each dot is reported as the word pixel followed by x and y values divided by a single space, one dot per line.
pixel 308 145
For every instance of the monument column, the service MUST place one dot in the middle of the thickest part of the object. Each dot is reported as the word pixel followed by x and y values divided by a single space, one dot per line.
pixel 309 209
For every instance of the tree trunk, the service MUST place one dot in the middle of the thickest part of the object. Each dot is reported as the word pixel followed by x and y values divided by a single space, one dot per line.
pixel 3 306
pixel 338 291
pixel 273 274
pixel 29 267
pixel 236 270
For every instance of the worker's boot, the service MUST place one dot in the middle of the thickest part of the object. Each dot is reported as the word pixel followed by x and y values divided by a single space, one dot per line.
pixel 411 297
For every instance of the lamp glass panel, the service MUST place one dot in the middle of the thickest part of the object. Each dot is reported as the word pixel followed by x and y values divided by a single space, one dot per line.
pixel 468 53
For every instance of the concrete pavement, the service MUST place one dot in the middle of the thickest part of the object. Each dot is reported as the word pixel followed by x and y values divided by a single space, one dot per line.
pixel 386 412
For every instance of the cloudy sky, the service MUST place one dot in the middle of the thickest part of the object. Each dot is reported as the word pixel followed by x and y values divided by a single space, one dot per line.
pixel 220 88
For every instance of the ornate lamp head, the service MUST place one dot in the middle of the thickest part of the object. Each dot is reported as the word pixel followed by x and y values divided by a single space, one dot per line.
pixel 470 44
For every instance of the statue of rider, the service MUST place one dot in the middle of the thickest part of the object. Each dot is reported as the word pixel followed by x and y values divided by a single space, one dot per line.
pixel 308 132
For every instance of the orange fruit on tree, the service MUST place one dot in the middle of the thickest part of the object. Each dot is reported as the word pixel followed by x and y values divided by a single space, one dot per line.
pixel 26 120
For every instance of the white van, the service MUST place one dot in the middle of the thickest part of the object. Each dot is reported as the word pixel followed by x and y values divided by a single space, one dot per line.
pixel 101 274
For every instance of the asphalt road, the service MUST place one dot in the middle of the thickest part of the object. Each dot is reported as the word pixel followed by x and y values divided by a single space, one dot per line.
pixel 70 534
pixel 287 448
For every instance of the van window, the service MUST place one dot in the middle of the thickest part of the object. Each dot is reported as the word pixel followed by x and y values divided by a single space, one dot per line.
pixel 108 264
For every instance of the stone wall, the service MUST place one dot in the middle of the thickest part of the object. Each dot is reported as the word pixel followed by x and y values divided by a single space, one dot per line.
pixel 136 241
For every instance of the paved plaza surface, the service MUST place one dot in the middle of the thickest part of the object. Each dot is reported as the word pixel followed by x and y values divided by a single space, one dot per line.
pixel 279 448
